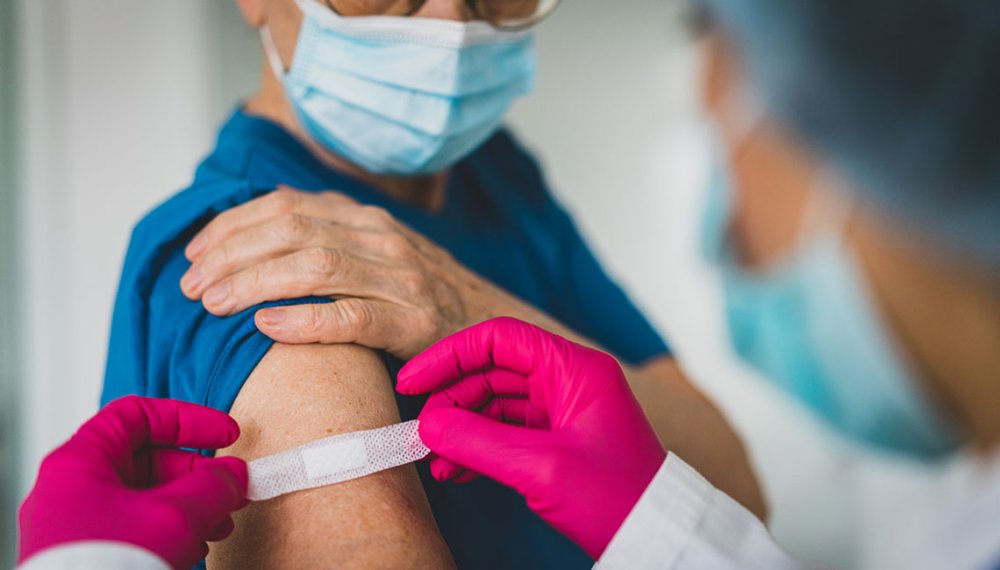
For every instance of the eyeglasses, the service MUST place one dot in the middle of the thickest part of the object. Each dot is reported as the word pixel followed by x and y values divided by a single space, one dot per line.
pixel 510 15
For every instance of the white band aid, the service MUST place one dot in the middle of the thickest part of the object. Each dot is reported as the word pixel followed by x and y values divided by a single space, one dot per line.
pixel 335 459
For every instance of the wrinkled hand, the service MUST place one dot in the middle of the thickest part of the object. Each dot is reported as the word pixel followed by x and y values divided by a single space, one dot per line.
pixel 121 478
pixel 395 289
pixel 552 419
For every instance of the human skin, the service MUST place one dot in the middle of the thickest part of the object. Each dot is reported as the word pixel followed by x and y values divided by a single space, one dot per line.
pixel 943 311
pixel 302 393
pixel 415 271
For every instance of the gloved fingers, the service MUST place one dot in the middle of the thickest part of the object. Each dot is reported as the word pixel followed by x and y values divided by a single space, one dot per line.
pixel 477 390
pixel 213 490
pixel 445 470
pixel 222 531
pixel 498 343
pixel 505 453
pixel 131 423
pixel 503 382
pixel 507 410
pixel 166 464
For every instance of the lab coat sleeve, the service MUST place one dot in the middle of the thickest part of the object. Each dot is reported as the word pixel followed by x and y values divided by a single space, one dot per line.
pixel 681 521
pixel 95 556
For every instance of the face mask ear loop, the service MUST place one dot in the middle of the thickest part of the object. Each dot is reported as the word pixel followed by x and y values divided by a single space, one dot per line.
pixel 745 115
pixel 271 52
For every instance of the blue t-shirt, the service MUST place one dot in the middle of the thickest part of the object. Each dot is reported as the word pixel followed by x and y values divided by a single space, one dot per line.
pixel 499 219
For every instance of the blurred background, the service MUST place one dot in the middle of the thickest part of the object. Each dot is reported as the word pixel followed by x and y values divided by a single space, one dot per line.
pixel 106 107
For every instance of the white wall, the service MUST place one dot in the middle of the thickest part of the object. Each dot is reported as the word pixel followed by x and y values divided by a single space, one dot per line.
pixel 123 98
pixel 114 101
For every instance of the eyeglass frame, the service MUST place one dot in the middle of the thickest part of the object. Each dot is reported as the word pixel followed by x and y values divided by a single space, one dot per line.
pixel 416 5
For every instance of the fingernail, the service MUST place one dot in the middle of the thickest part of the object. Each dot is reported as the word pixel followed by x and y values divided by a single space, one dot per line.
pixel 192 278
pixel 273 317
pixel 196 246
pixel 217 295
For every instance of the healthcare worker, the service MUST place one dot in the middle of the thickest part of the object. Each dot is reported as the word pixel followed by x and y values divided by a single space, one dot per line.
pixel 122 494
pixel 857 233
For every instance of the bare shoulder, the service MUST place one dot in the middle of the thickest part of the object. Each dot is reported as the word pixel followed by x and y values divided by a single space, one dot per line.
pixel 301 393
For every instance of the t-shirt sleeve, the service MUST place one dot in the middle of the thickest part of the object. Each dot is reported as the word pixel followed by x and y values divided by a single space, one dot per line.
pixel 198 356
pixel 165 345
pixel 201 358
pixel 596 306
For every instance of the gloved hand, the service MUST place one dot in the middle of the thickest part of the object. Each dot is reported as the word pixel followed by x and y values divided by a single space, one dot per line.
pixel 554 420
pixel 121 478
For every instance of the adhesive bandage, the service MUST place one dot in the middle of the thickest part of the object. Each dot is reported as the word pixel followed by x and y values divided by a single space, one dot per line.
pixel 335 459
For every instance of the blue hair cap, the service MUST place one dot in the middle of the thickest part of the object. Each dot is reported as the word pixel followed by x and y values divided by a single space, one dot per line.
pixel 900 97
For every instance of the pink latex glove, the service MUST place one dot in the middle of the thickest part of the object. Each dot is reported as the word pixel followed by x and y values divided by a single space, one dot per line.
pixel 554 420
pixel 121 478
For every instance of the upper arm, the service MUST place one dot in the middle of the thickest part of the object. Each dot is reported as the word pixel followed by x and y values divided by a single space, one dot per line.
pixel 298 394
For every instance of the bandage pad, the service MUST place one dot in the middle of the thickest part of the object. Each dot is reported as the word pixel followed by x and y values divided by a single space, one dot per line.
pixel 335 459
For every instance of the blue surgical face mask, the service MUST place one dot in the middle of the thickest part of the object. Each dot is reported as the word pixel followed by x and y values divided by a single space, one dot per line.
pixel 811 327
pixel 402 96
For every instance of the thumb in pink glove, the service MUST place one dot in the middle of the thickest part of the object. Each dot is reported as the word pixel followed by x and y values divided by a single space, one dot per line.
pixel 121 478
pixel 552 419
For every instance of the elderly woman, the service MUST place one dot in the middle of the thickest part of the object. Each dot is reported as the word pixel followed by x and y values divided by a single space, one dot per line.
pixel 371 169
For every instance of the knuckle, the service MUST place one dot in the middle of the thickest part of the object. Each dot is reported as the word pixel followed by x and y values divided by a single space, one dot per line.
pixel 250 281
pixel 505 325
pixel 376 215
pixel 52 462
pixel 358 315
pixel 335 197
pixel 126 406
pixel 395 246
pixel 605 362
pixel 313 321
pixel 294 228
pixel 284 199
pixel 320 261
pixel 221 259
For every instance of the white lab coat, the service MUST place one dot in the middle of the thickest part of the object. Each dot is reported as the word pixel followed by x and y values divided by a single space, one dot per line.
pixel 681 521
pixel 95 555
